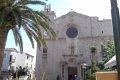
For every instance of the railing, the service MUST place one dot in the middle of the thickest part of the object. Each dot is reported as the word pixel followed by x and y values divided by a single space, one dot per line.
pixel 5 71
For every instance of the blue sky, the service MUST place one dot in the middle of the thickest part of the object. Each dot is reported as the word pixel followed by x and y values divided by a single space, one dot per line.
pixel 100 8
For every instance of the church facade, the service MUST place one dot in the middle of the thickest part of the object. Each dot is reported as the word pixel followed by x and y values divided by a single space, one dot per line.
pixel 76 33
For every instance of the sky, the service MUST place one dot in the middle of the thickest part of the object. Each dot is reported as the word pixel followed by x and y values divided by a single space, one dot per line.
pixel 99 8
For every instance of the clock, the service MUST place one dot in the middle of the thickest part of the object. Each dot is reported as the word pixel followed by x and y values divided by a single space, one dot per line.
pixel 72 32
pixel 45 33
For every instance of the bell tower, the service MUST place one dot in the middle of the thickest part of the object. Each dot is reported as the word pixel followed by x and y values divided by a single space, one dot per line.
pixel 47 11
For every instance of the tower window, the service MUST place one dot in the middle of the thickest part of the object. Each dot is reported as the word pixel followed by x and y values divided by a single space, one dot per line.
pixel 10 58
pixel 102 31
pixel 45 50
pixel 28 57
pixel 62 70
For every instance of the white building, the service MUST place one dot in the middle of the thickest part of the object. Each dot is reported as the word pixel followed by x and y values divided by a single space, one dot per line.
pixel 76 33
pixel 13 59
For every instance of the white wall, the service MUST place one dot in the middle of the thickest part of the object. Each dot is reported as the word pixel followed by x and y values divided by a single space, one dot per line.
pixel 19 59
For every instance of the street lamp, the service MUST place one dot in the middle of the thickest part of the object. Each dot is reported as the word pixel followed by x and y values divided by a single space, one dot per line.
pixel 84 66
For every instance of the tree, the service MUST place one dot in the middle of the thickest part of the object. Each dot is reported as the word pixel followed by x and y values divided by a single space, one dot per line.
pixel 20 72
pixel 108 51
pixel 94 67
pixel 14 15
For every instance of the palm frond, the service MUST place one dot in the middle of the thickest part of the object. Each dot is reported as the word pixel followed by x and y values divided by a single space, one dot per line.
pixel 42 15
pixel 35 32
pixel 35 2
pixel 18 17
pixel 18 38
pixel 39 20
pixel 47 28
pixel 34 28
pixel 20 2
pixel 13 1
pixel 37 38
pixel 28 34
pixel 33 22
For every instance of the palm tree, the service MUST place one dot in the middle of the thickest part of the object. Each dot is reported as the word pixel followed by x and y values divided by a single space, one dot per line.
pixel 14 15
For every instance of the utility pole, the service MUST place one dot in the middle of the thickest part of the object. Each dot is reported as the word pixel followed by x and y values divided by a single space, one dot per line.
pixel 116 32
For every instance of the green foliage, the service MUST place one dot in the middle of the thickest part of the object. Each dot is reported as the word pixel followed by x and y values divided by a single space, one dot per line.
pixel 108 51
pixel 92 76
pixel 100 65
pixel 15 14
pixel 93 49
pixel 20 72
pixel 94 69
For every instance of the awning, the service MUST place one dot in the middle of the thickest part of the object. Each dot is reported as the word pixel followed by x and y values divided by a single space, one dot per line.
pixel 111 62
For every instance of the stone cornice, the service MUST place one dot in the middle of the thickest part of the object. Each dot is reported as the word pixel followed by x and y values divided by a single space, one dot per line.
pixel 95 37
pixel 85 37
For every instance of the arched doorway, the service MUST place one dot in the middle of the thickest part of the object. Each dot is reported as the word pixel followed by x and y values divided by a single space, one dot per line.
pixel 72 71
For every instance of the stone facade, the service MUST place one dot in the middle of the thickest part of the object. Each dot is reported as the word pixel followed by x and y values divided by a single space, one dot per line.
pixel 65 55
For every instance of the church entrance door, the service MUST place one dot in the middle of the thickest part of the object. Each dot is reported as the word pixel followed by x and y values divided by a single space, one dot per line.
pixel 72 71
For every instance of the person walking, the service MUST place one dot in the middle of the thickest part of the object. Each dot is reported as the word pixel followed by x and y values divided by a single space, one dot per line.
pixel 76 77
pixel 58 78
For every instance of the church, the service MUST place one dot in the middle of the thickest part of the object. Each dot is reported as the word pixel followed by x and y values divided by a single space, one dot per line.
pixel 76 33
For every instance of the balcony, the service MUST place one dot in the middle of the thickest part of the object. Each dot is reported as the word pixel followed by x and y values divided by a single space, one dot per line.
pixel 5 71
